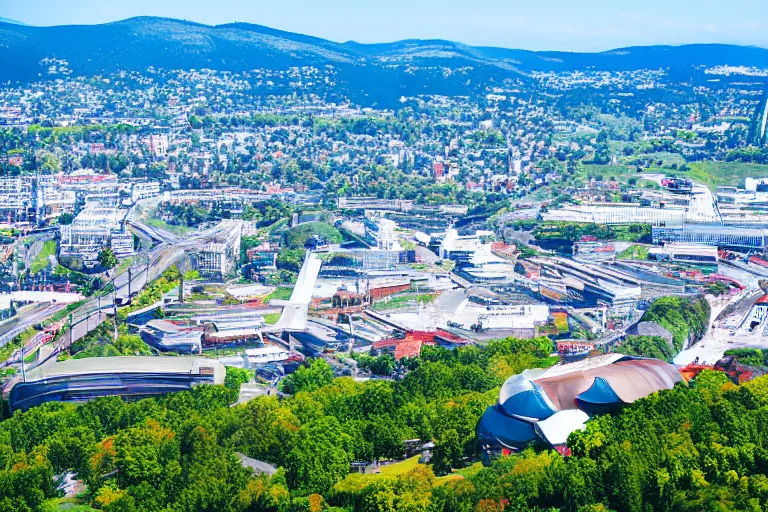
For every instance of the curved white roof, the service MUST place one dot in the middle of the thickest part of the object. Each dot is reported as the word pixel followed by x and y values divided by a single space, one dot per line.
pixel 558 427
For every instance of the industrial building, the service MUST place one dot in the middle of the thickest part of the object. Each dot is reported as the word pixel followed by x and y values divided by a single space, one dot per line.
pixel 712 234
pixel 373 203
pixel 523 318
pixel 757 314
pixel 84 182
pixel 170 337
pixel 52 201
pixel 141 191
pixel 567 281
pixel 212 259
pixel 694 254
pixel 594 250
pixel 263 256
pixel 617 215
pixel 106 200
pixel 80 380
pixel 409 344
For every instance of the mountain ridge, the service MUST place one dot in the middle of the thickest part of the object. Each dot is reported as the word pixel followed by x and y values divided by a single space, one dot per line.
pixel 140 42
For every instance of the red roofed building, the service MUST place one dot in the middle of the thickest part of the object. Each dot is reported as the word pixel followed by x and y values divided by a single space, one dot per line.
pixel 87 178
pixel 410 345
pixel 408 349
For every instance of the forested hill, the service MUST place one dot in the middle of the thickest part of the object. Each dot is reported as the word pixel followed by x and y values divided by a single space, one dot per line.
pixel 701 446
pixel 138 43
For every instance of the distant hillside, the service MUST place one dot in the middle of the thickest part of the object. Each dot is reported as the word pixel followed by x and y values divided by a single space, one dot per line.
pixel 9 20
pixel 138 43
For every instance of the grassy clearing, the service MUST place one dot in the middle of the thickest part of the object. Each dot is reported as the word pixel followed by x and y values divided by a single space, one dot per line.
pixel 620 172
pixel 281 293
pixel 125 263
pixel 403 301
pixel 668 159
pixel 277 225
pixel 161 224
pixel 64 313
pixel 16 343
pixel 711 174
pixel 65 504
pixel 442 480
pixel 715 174
pixel 634 252
pixel 271 318
pixel 402 467
pixel 40 262
pixel 399 468
pixel 561 321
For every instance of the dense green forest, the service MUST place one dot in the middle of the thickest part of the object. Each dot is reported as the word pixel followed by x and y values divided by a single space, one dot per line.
pixel 699 446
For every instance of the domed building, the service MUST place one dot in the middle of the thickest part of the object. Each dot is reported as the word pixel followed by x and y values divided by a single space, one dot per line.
pixel 544 406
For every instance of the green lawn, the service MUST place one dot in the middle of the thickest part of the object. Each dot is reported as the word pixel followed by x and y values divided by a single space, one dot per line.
pixel 402 467
pixel 606 171
pixel 634 252
pixel 403 301
pixel 399 468
pixel 65 505
pixel 460 473
pixel 281 293
pixel 667 158
pixel 161 224
pixel 714 174
pixel 271 318
pixel 41 261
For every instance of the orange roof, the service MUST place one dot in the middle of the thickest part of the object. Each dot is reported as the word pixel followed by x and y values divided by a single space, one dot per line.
pixel 408 349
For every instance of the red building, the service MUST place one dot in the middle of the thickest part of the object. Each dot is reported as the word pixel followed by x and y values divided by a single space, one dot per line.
pixel 410 345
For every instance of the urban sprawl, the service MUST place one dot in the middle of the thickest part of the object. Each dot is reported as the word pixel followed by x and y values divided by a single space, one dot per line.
pixel 260 223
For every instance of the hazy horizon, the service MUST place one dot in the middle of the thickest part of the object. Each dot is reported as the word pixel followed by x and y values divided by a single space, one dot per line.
pixel 560 25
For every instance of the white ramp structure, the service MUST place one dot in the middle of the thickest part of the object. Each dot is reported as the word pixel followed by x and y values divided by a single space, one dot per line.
pixel 294 315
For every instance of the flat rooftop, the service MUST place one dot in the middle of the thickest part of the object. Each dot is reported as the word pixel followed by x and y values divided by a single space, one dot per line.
pixel 127 364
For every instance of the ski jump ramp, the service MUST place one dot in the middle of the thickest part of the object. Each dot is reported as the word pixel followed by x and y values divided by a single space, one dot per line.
pixel 294 315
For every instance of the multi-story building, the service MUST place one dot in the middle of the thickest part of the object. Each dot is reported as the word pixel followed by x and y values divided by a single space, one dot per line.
pixel 373 203
pixel 144 190
pixel 53 202
pixel 16 199
pixel 218 258
pixel 93 230
pixel 86 182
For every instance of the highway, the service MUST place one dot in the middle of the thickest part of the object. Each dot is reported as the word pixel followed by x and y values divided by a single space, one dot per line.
pixel 26 318
pixel 94 311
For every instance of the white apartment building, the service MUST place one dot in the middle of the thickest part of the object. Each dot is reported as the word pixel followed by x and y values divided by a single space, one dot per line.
pixel 219 257
pixel 144 190
pixel 93 230
pixel 15 198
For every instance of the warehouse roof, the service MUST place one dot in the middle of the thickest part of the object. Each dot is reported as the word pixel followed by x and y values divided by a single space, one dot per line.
pixel 128 364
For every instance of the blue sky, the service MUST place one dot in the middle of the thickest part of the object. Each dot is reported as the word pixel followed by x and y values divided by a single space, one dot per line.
pixel 574 25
